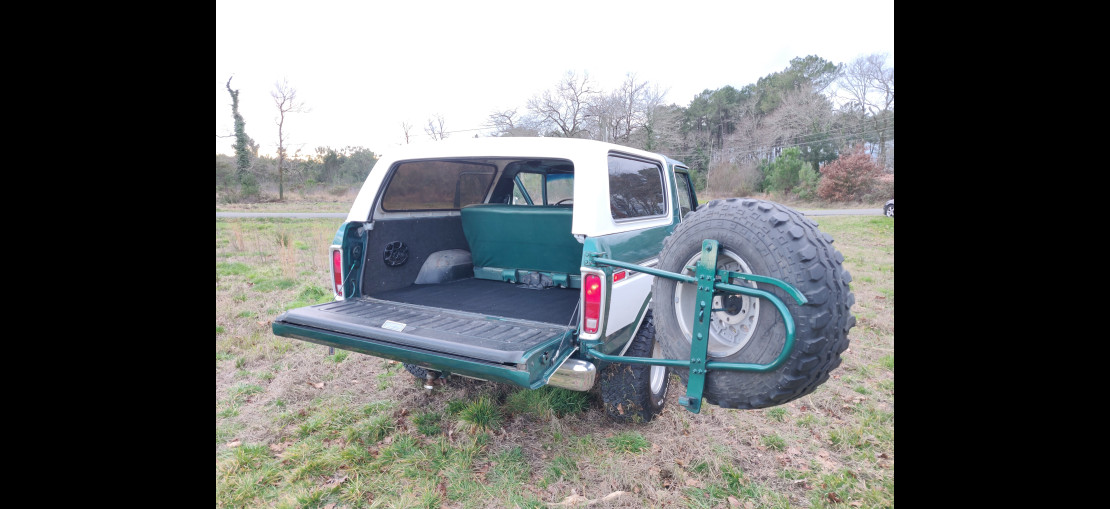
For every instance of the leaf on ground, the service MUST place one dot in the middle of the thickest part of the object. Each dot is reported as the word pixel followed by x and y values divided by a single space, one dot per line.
pixel 318 385
pixel 234 443
pixel 833 497
pixel 335 481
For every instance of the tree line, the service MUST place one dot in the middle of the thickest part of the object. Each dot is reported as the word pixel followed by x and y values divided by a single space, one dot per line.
pixel 815 130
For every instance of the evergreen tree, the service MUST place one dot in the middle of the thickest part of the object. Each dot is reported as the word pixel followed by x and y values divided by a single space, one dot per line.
pixel 242 141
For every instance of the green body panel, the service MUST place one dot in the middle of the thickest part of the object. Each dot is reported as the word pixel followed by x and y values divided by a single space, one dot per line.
pixel 348 238
pixel 633 246
pixel 630 246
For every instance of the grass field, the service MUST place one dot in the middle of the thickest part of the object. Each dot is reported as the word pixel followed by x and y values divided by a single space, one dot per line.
pixel 297 426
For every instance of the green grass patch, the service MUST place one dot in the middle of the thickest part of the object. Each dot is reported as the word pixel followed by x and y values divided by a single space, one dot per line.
pixel 844 489
pixel 309 296
pixel 547 401
pixel 428 423
pixel 455 406
pixel 232 269
pixel 629 441
pixel 480 415
pixel 561 468
pixel 773 441
pixel 777 413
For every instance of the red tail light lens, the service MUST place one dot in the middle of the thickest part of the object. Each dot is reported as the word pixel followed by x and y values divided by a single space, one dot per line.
pixel 337 271
pixel 592 311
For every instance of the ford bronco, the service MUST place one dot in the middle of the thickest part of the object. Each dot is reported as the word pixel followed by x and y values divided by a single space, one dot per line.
pixel 575 263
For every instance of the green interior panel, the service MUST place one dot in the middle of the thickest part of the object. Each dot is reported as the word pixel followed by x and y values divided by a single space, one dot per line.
pixel 521 237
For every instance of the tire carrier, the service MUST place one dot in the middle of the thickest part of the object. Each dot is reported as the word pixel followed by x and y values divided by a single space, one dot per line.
pixel 710 281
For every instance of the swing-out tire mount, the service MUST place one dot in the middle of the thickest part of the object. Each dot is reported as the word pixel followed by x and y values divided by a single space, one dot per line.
pixel 765 239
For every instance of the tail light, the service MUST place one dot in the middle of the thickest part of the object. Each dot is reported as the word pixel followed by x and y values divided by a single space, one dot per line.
pixel 337 271
pixel 591 313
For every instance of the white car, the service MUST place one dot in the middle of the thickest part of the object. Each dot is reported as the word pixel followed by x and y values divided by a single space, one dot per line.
pixel 888 209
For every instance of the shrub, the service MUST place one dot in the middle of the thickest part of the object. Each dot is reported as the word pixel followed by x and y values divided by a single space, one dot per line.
pixel 248 187
pixel 808 180
pixel 783 174
pixel 884 188
pixel 852 176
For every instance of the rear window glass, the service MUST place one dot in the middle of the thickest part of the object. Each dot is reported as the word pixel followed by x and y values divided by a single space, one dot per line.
pixel 635 188
pixel 437 185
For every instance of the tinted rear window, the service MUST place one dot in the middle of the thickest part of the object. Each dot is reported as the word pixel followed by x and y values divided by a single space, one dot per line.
pixel 437 185
pixel 635 188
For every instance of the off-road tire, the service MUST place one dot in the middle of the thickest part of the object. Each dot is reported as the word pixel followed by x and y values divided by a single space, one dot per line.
pixel 626 389
pixel 775 241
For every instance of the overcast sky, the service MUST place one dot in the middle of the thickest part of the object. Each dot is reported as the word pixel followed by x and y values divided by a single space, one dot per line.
pixel 364 67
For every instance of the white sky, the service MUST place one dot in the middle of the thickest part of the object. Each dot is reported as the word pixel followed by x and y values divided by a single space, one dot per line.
pixel 364 67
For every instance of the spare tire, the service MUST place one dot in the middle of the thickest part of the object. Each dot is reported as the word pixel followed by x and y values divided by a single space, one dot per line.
pixel 767 239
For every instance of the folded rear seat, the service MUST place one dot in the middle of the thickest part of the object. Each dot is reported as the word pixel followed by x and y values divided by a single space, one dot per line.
pixel 523 243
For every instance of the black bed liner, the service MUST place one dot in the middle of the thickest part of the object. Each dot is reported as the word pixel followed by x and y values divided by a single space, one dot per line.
pixel 497 298
pixel 471 329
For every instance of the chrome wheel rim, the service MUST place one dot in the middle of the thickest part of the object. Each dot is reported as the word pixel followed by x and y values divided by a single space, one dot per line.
pixel 734 321
pixel 658 375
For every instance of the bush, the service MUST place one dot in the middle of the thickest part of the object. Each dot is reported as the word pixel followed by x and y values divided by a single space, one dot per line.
pixel 808 180
pixel 783 174
pixel 884 188
pixel 853 176
pixel 248 187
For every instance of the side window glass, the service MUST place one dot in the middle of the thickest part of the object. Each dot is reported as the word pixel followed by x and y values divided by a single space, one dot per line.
pixel 437 185
pixel 635 188
pixel 528 189
pixel 560 188
pixel 682 181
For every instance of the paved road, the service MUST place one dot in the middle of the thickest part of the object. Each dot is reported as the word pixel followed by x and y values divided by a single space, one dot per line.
pixel 343 215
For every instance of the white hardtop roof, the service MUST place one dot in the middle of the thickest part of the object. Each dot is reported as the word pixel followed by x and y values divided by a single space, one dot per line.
pixel 591 174
pixel 508 147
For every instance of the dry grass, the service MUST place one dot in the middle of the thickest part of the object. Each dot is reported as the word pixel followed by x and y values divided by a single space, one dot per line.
pixel 274 395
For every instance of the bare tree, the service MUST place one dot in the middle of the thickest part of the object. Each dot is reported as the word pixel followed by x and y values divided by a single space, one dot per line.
pixel 867 87
pixel 435 128
pixel 510 123
pixel 566 109
pixel 285 98
pixel 407 129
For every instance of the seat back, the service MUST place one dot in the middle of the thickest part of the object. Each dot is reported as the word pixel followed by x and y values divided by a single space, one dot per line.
pixel 529 238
